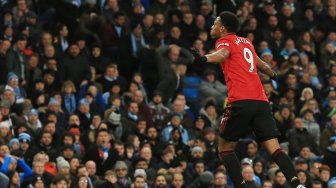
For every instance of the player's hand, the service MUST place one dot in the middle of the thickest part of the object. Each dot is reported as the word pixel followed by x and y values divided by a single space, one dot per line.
pixel 274 76
pixel 197 56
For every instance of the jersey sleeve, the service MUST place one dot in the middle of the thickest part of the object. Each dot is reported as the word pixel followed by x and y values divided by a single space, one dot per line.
pixel 223 43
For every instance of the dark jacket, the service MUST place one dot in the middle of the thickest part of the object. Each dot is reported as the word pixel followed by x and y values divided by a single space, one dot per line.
pixel 102 166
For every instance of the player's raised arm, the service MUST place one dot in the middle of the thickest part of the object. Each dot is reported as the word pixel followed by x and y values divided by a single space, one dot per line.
pixel 218 56
pixel 215 57
pixel 266 69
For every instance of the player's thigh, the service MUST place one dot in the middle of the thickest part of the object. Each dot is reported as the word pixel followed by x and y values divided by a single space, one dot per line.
pixel 263 125
pixel 235 121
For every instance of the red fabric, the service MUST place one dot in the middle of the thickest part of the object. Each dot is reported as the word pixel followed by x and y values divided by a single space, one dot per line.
pixel 75 131
pixel 50 168
pixel 28 52
pixel 240 69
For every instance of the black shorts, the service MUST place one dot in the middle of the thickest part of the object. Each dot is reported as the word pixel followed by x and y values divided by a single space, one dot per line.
pixel 240 117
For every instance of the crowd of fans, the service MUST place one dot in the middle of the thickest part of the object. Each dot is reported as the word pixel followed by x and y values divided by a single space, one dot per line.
pixel 92 92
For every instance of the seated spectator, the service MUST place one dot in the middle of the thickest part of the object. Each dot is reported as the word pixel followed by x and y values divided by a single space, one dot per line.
pixel 311 125
pixel 324 175
pixel 13 85
pixel 158 110
pixel 298 136
pixel 123 178
pixel 210 87
pixel 102 153
pixel 175 122
pixel 330 156
pixel 209 110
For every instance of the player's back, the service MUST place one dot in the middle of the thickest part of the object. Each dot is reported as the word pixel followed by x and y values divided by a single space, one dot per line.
pixel 240 69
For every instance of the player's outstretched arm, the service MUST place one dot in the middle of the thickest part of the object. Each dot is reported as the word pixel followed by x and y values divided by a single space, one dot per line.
pixel 266 69
pixel 215 57
pixel 218 56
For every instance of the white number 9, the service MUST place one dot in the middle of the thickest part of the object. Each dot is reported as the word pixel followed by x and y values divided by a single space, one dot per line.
pixel 249 58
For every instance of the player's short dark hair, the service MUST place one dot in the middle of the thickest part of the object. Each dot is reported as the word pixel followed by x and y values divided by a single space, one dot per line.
pixel 229 21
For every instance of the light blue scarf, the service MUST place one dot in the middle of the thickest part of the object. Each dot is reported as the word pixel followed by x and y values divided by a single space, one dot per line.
pixel 134 44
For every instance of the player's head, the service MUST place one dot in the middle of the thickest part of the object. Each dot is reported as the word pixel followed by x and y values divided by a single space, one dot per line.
pixel 226 22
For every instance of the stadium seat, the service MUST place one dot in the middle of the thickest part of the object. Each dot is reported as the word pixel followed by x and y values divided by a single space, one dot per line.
pixel 190 90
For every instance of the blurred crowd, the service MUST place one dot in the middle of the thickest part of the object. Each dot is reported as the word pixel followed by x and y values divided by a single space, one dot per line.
pixel 93 92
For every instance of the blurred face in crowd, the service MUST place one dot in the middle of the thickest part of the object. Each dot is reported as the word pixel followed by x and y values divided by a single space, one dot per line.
pixel 137 31
pixel 24 145
pixel 220 179
pixel 139 182
pixel 120 149
pixel 46 139
pixel 200 21
pixel 121 172
pixel 291 79
pixel 146 153
pixel 82 171
pixel 302 177
pixel 120 21
pixel 175 32
pixel 61 184
pixel 152 133
pixel 96 52
pixel 5 45
pixel 32 118
pixel 167 157
pixel 84 108
pixel 4 111
pixel 252 149
pixel 159 19
pixel 267 184
pixel 49 51
pixel 39 184
pixel 178 106
pixel 199 168
pixel 50 127
pixel 178 180
pixel 38 167
pixel 111 71
pixel 148 20
pixel 133 107
pixel 325 175
pixel 64 31
pixel 138 96
pixel 174 54
pixel 74 50
pixel 175 120
pixel 74 120
pixel 4 132
pixel 33 61
pixel 141 165
pixel 16 179
pixel 280 178
pixel 248 173
pixel 298 123
pixel 82 182
pixel 188 18
pixel 4 150
pixel 46 39
pixel 74 163
pixel 258 167
pixel 103 138
pixel 160 181
pixel 91 167
pixel 21 45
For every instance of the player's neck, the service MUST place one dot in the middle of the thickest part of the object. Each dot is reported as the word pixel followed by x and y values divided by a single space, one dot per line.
pixel 227 33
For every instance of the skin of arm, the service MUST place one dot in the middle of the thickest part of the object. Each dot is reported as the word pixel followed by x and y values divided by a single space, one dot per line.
pixel 222 54
pixel 265 68
pixel 218 56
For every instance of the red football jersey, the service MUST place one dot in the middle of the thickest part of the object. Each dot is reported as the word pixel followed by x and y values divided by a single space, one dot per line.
pixel 240 69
